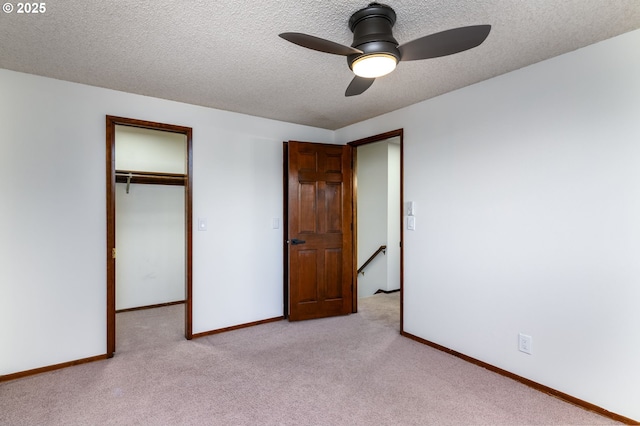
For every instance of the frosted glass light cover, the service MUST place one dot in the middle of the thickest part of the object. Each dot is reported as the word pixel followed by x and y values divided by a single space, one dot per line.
pixel 375 65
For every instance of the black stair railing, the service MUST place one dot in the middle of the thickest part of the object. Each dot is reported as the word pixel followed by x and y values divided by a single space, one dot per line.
pixel 381 249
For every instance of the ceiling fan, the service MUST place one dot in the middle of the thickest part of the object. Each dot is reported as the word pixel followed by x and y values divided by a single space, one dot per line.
pixel 374 52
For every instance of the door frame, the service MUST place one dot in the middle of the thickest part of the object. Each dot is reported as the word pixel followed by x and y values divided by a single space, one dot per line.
pixel 111 122
pixel 355 144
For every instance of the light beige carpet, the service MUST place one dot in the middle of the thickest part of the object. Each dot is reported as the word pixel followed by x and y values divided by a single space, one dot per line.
pixel 353 370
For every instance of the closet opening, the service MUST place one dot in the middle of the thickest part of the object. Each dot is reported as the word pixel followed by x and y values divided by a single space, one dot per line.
pixel 149 204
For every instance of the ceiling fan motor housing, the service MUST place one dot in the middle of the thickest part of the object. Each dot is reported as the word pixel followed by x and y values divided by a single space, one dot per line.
pixel 372 32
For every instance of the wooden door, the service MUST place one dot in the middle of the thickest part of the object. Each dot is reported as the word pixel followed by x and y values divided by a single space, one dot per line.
pixel 319 230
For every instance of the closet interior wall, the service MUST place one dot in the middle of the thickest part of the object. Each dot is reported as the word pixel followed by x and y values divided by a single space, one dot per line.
pixel 150 217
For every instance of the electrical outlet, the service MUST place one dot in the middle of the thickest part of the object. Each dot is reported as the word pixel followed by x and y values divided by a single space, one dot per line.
pixel 524 343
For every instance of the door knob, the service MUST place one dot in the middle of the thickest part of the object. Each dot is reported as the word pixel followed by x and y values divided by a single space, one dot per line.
pixel 296 241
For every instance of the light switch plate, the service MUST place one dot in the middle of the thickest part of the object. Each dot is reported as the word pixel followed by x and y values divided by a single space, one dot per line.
pixel 411 210
pixel 202 224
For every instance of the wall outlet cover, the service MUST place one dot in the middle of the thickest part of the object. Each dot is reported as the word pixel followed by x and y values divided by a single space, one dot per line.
pixel 525 343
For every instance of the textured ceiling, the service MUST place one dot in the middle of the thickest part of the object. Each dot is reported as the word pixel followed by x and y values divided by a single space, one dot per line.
pixel 227 54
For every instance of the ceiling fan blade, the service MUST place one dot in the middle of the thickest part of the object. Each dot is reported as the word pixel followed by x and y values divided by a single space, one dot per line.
pixel 444 43
pixel 320 44
pixel 358 85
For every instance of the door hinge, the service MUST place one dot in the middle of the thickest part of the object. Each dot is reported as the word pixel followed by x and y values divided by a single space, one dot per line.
pixel 113 253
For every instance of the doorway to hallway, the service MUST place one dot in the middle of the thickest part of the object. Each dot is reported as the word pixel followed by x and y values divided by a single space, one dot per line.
pixel 378 210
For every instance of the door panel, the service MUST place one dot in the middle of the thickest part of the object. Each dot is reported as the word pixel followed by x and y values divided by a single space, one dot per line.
pixel 333 268
pixel 333 199
pixel 307 209
pixel 307 272
pixel 319 230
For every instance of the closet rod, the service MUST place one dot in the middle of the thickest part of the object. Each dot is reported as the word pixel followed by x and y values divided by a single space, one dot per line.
pixel 154 178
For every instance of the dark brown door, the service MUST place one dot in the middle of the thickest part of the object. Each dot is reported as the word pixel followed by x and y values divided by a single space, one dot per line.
pixel 320 236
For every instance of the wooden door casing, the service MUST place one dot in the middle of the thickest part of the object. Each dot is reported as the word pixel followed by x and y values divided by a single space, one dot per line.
pixel 111 123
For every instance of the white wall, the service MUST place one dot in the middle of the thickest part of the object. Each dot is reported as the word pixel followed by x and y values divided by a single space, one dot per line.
pixel 393 214
pixel 150 222
pixel 372 180
pixel 527 189
pixel 53 220
pixel 148 150
pixel 378 185
pixel 150 240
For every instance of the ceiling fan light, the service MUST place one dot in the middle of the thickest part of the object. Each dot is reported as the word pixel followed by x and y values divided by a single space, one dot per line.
pixel 374 65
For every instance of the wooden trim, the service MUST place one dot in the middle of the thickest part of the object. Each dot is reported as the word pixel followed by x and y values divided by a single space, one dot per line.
pixel 238 327
pixel 153 178
pixel 537 386
pixel 159 305
pixel 400 134
pixel 111 234
pixel 46 369
pixel 186 180
pixel 355 144
pixel 378 138
pixel 285 229
pixel 354 225
pixel 188 235
pixel 152 174
pixel 151 125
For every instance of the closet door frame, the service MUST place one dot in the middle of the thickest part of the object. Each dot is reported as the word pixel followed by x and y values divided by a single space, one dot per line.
pixel 111 122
